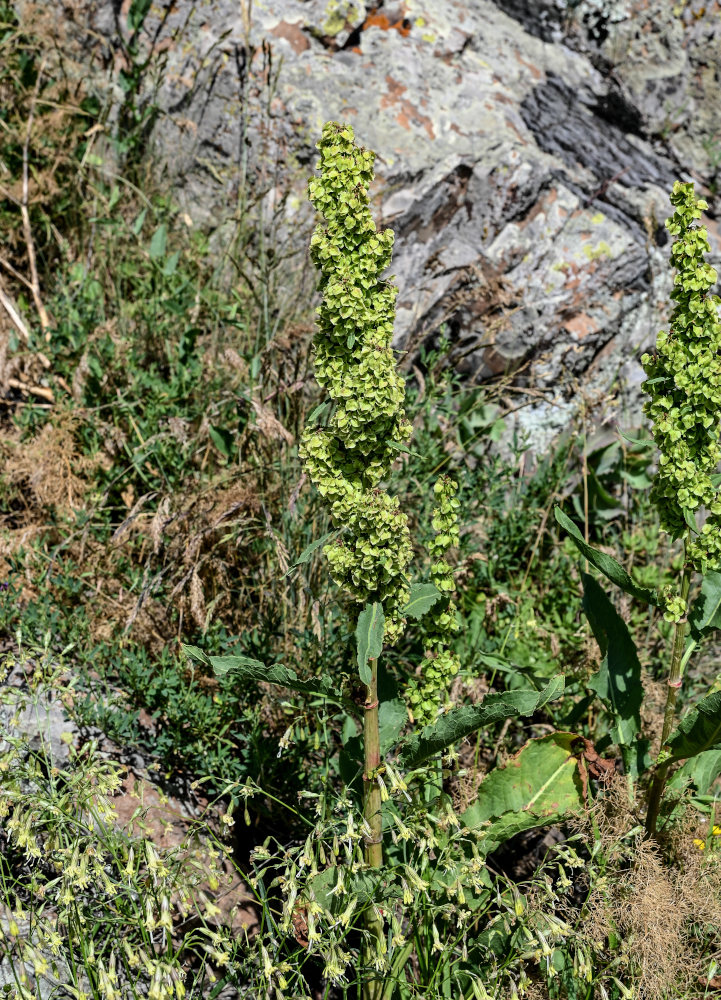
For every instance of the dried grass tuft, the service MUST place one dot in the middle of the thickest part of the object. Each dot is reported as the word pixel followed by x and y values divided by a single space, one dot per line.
pixel 50 469
pixel 663 901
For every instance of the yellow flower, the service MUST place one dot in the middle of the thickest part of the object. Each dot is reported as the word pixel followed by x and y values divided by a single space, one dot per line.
pixel 701 844
pixel 716 831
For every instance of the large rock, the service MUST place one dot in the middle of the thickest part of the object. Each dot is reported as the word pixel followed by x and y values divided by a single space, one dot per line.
pixel 526 150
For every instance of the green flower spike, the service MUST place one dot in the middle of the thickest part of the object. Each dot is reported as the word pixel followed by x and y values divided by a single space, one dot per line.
pixel 349 458
pixel 427 695
pixel 684 394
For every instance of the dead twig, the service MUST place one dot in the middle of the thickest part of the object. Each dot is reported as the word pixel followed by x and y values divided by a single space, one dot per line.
pixel 11 309
pixel 24 211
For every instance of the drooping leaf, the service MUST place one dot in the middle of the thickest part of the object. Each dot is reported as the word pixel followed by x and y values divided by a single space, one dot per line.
pixel 369 638
pixel 423 597
pixel 701 770
pixel 308 551
pixel 618 682
pixel 461 722
pixel 222 665
pixel 545 782
pixel 640 442
pixel 699 731
pixel 399 446
pixel 317 413
pixel 195 653
pixel 606 564
pixel 705 614
pixel 246 668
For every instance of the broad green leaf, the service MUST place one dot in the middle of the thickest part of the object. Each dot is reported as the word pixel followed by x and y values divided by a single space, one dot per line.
pixel 637 758
pixel 699 731
pixel 545 782
pixel 606 564
pixel 195 653
pixel 618 682
pixel 690 519
pixel 222 439
pixel 369 637
pixel 701 770
pixel 461 722
pixel 158 242
pixel 308 551
pixel 705 614
pixel 244 664
pixel 423 597
pixel 392 717
pixel 364 886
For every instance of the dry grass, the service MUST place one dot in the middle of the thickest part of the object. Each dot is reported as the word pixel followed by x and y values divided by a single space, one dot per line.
pixel 49 469
pixel 663 901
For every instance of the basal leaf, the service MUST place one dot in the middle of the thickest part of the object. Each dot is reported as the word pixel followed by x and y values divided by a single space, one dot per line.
pixel 369 638
pixel 618 682
pixel 606 564
pixel 699 731
pixel 543 783
pixel 423 597
pixel 461 722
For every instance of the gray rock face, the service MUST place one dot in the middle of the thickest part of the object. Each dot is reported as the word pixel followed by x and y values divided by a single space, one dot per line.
pixel 526 150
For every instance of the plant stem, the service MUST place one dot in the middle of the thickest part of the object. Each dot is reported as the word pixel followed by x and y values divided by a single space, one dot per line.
pixel 674 683
pixel 371 788
pixel 372 813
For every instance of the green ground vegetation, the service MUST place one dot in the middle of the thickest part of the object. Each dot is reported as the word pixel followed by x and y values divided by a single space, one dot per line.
pixel 160 517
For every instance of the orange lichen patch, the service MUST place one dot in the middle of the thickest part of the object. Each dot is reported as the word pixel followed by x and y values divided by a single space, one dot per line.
pixel 540 206
pixel 581 325
pixel 535 71
pixel 382 21
pixel 407 112
pixel 293 34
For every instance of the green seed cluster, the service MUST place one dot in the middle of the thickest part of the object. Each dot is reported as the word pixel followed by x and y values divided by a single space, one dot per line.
pixel 684 392
pixel 348 458
pixel 427 695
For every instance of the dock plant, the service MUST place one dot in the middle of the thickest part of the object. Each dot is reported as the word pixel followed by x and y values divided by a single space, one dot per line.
pixel 404 818
pixel 684 405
